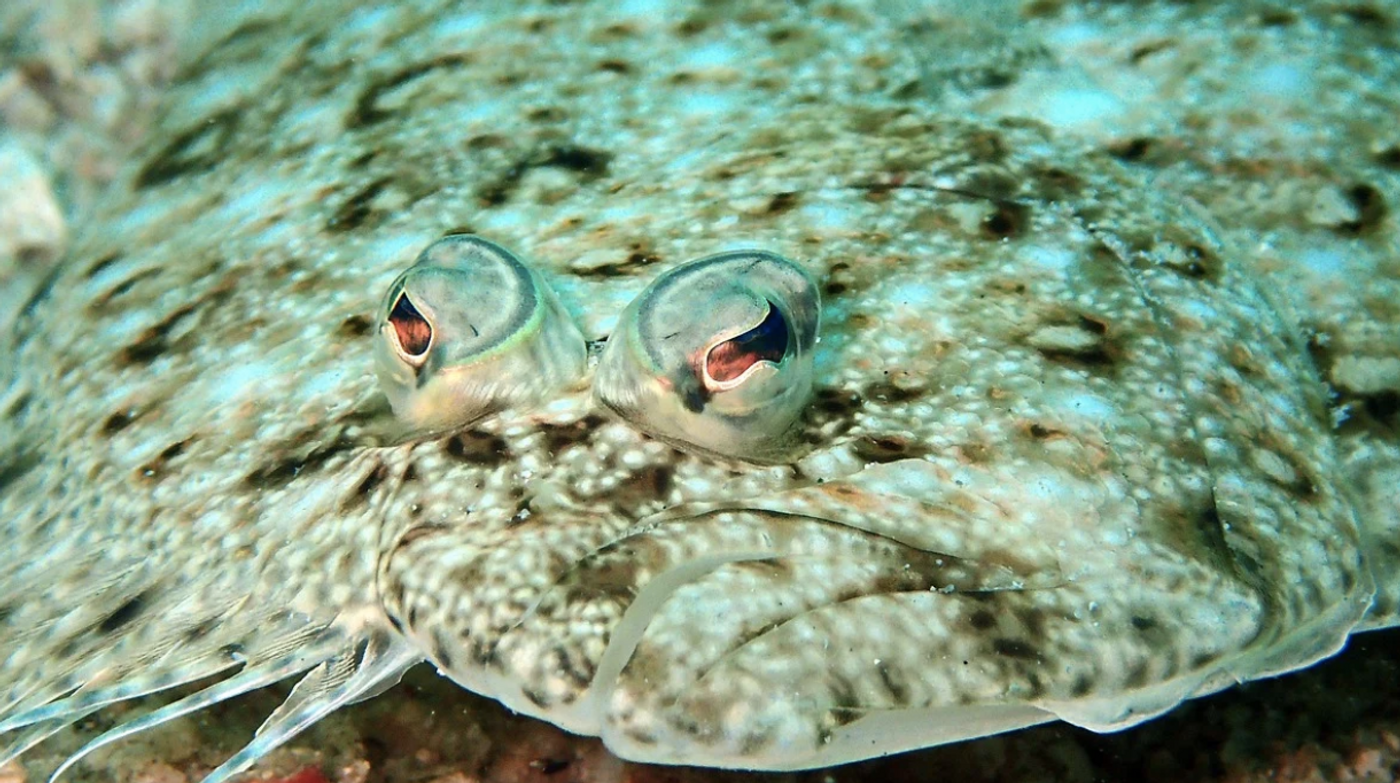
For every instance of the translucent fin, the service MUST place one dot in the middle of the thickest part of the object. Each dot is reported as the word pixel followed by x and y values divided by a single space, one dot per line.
pixel 353 674
pixel 249 679
pixel 87 699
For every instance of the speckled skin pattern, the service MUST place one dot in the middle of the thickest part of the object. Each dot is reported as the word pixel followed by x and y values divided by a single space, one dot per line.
pixel 1068 457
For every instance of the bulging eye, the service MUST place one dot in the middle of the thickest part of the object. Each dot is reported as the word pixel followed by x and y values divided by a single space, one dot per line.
pixel 469 330
pixel 715 356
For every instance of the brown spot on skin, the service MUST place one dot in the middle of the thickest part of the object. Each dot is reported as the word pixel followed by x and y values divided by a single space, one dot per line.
pixel 123 614
pixel 643 490
pixel 1366 15
pixel 1134 150
pixel 590 164
pixel 692 26
pixel 1143 623
pixel 195 150
pixel 839 279
pixel 1137 676
pixel 1056 184
pixel 1389 157
pixel 118 421
pixel 367 110
pixel 1098 355
pixel 886 448
pixel 780 203
pixel 278 474
pixel 1015 648
pixel 982 620
pixel 635 263
pixel 1008 220
pixel 241 44
pixel 155 469
pixel 356 209
pixel 1042 432
pixel 559 437
pixel 153 342
pixel 362 491
pixel 18 465
pixel 831 414
pixel 101 264
pixel 476 448
pixel 355 326
pixel 893 392
pixel 1194 260
pixel 985 146
pixel 19 406
pixel 1371 210
pixel 102 300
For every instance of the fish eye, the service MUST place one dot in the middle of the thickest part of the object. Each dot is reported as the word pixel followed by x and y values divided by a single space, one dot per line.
pixel 469 330
pixel 715 356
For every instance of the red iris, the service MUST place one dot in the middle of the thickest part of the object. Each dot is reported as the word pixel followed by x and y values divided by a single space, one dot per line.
pixel 413 330
pixel 766 342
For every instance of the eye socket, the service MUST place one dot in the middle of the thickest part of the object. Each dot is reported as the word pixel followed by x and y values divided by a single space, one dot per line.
pixel 715 356
pixel 469 330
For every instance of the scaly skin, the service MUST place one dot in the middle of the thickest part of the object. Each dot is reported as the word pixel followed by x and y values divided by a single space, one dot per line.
pixel 1065 456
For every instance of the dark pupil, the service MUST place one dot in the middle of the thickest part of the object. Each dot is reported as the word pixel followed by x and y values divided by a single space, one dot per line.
pixel 412 328
pixel 766 342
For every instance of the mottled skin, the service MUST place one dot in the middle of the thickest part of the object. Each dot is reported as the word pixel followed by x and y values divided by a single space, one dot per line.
pixel 1065 458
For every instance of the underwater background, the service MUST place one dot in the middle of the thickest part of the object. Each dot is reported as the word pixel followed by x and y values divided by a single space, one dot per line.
pixel 1279 119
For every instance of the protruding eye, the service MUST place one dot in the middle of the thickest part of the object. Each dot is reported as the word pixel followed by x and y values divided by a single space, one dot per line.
pixel 469 330
pixel 715 356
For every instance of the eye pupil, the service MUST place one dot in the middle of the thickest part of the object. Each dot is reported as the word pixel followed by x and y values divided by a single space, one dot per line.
pixel 766 342
pixel 413 330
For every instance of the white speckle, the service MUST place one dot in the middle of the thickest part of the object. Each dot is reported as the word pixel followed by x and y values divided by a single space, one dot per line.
pixel 365 20
pixel 1279 79
pixel 1056 259
pixel 255 202
pixel 1201 310
pixel 459 25
pixel 241 378
pixel 645 8
pixel 479 111
pixel 705 104
pixel 715 55
pixel 1077 107
pixel 322 383
pixel 1324 261
pixel 503 220
pixel 1073 34
pixel 827 216
pixel 396 249
pixel 1088 406
pixel 915 295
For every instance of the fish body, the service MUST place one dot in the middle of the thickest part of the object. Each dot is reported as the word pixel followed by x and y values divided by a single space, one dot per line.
pixel 1066 454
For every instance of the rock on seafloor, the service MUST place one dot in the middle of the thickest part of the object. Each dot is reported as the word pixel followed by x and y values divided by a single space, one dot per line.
pixel 1277 119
